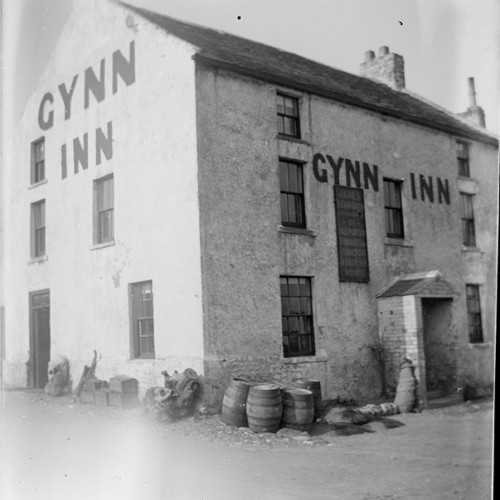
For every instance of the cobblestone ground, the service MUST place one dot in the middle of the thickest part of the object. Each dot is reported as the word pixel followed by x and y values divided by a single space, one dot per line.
pixel 58 449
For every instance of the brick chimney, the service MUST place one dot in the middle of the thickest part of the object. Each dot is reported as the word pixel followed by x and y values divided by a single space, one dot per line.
pixel 474 114
pixel 386 68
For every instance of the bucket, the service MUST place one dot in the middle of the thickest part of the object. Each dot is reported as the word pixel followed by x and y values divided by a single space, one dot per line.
pixel 234 404
pixel 315 387
pixel 298 409
pixel 264 408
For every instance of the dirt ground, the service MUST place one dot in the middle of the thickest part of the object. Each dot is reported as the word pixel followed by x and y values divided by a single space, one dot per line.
pixel 53 448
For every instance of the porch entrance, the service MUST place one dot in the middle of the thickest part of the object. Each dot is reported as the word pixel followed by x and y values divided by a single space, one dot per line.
pixel 438 350
pixel 39 338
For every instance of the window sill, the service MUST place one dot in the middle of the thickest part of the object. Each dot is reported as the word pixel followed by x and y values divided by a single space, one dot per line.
pixel 38 260
pixel 305 359
pixel 291 138
pixel 400 242
pixel 36 184
pixel 98 246
pixel 143 358
pixel 479 345
pixel 471 249
pixel 297 230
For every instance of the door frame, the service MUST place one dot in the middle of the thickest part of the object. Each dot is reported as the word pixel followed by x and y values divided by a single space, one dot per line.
pixel 33 375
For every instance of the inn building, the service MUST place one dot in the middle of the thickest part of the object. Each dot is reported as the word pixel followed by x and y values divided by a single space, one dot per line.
pixel 181 197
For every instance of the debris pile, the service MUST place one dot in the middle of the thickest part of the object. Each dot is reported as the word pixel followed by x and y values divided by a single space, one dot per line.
pixel 59 379
pixel 179 397
pixel 121 391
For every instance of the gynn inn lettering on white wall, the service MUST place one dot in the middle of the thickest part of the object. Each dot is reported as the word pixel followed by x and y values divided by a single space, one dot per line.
pixel 95 85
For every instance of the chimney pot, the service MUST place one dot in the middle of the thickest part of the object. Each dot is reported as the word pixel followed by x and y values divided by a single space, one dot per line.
pixel 383 51
pixel 472 92
pixel 369 56
pixel 474 113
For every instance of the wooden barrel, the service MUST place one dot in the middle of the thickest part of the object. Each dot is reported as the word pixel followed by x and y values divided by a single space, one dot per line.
pixel 315 387
pixel 298 409
pixel 234 404
pixel 264 408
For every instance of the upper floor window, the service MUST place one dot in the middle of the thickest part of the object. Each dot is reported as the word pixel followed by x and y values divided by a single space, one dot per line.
pixel 38 161
pixel 288 115
pixel 467 214
pixel 393 209
pixel 297 316
pixel 292 194
pixel 142 319
pixel 104 210
pixel 463 159
pixel 38 229
pixel 474 322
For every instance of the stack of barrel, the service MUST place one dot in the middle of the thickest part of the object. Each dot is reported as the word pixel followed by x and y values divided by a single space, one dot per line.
pixel 267 407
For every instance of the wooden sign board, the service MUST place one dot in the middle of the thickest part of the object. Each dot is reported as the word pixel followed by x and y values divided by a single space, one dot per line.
pixel 351 234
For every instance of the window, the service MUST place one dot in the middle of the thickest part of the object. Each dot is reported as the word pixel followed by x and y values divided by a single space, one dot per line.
pixel 292 194
pixel 103 210
pixel 38 229
pixel 296 315
pixel 463 159
pixel 38 161
pixel 288 115
pixel 467 212
pixel 141 303
pixel 393 209
pixel 474 314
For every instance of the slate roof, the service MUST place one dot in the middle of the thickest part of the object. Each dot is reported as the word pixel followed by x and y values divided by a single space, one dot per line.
pixel 434 286
pixel 274 65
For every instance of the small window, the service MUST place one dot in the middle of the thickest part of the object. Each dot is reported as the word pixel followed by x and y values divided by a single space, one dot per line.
pixel 288 115
pixel 463 159
pixel 393 209
pixel 104 210
pixel 38 229
pixel 38 161
pixel 292 194
pixel 297 316
pixel 467 213
pixel 142 319
pixel 474 322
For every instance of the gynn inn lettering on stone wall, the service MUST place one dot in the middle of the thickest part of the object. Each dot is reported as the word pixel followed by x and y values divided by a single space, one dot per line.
pixel 49 110
pixel 362 175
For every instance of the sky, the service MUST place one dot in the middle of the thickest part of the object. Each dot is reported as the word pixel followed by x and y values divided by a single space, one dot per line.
pixel 443 42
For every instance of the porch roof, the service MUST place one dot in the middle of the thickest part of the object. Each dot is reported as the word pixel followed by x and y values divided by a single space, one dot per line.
pixel 431 284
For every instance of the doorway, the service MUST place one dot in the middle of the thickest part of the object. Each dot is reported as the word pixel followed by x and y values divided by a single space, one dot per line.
pixel 440 363
pixel 39 337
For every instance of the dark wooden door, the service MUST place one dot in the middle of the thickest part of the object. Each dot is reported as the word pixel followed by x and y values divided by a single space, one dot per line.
pixel 40 337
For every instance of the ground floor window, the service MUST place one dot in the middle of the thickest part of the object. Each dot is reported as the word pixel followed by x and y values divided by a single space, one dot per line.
pixel 142 319
pixel 296 315
pixel 474 322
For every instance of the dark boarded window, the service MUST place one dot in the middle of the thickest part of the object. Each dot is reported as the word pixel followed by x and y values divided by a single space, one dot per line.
pixel 142 319
pixel 393 209
pixel 463 159
pixel 467 214
pixel 104 230
pixel 292 194
pixel 474 322
pixel 288 115
pixel 296 315
pixel 351 234
pixel 38 161
pixel 38 229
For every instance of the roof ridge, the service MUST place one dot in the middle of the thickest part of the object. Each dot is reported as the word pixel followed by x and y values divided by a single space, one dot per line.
pixel 263 61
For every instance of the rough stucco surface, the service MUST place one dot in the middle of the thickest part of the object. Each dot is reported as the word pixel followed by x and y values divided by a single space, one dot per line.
pixel 244 252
